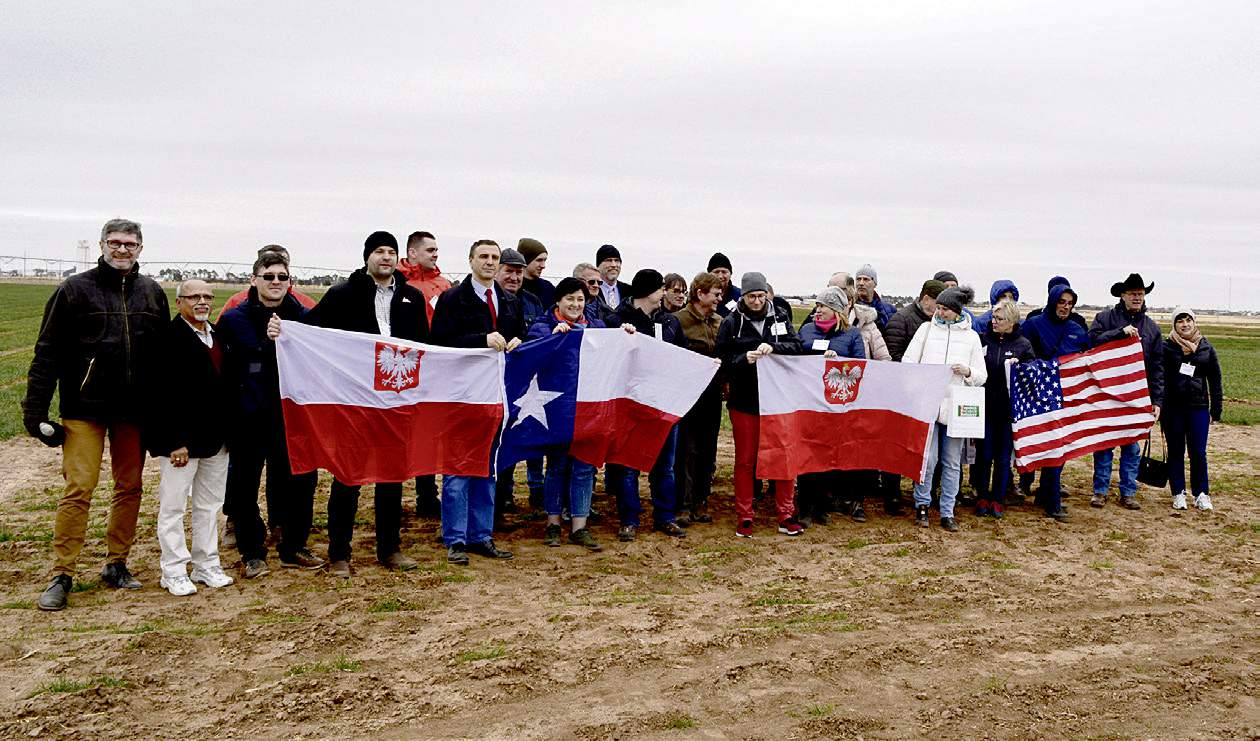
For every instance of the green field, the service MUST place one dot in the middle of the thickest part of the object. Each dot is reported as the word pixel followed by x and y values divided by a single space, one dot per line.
pixel 22 306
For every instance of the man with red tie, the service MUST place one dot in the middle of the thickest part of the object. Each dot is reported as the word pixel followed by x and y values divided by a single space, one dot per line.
pixel 475 313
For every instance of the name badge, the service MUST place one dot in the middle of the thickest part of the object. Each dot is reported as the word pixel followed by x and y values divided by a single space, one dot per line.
pixel 730 305
pixel 779 328
pixel 821 344
pixel 1187 369
pixel 255 368
pixel 656 332
pixel 433 301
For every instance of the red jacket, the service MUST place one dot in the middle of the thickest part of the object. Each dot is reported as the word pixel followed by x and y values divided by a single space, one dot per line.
pixel 430 282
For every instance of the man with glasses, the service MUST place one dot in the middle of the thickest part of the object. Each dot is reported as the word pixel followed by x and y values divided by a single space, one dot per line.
pixel 238 298
pixel 98 343
pixel 595 309
pixel 187 434
pixel 257 436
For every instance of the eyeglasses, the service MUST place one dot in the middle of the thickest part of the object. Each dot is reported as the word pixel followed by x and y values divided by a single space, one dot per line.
pixel 198 298
pixel 115 244
pixel 269 277
pixel 594 282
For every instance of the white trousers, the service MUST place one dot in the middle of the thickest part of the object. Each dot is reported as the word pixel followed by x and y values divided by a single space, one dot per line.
pixel 205 481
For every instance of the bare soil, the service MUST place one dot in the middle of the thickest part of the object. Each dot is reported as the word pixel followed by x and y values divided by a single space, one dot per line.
pixel 1120 624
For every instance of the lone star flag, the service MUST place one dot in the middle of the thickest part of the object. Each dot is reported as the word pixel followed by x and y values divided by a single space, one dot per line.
pixel 820 414
pixel 1077 404
pixel 369 408
pixel 610 396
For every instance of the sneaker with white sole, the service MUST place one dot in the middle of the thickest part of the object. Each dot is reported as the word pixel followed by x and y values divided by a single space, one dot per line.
pixel 1179 501
pixel 1203 501
pixel 212 577
pixel 180 586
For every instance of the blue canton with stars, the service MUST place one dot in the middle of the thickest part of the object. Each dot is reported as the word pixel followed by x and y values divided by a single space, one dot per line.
pixel 553 362
pixel 1035 389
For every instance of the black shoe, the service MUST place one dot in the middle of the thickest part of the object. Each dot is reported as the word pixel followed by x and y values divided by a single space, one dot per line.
pixel 683 519
pixel 552 536
pixel 508 507
pixel 892 507
pixel 671 529
pixel 859 514
pixel 255 567
pixel 488 550
pixel 921 516
pixel 54 596
pixel 806 521
pixel 1059 515
pixel 949 524
pixel 117 576
pixel 457 554
pixel 627 533
pixel 822 518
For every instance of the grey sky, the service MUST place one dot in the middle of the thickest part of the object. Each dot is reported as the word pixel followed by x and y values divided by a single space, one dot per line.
pixel 1005 139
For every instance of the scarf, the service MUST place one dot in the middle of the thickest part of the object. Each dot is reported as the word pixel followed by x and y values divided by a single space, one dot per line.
pixel 826 327
pixel 579 322
pixel 1189 344
pixel 748 312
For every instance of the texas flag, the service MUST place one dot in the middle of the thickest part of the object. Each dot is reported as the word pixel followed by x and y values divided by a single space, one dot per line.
pixel 369 408
pixel 823 414
pixel 611 396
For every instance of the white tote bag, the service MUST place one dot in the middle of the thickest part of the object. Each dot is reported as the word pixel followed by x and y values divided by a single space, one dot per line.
pixel 966 411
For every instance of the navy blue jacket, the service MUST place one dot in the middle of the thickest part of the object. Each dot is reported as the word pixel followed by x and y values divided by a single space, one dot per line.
pixel 732 294
pixel 1051 336
pixel 981 323
pixel 846 342
pixel 532 306
pixel 1109 326
pixel 883 311
pixel 736 336
pixel 544 325
pixel 661 324
pixel 250 363
pixel 1203 389
pixel 543 289
pixel 997 350
pixel 462 318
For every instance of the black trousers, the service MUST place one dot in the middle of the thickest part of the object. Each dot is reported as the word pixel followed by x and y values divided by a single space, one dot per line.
pixel 815 491
pixel 695 458
pixel 343 507
pixel 426 489
pixel 290 498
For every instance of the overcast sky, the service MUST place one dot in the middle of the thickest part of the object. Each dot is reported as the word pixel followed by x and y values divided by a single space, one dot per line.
pixel 1004 139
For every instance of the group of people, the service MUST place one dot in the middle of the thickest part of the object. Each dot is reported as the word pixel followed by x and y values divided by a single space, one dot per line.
pixel 203 398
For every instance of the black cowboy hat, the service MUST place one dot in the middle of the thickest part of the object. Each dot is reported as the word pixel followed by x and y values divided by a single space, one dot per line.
pixel 1133 283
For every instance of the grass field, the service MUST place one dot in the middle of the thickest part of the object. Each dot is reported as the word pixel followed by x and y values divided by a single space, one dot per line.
pixel 22 306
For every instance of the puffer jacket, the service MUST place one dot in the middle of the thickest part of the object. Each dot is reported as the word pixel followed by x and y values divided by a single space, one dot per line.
pixel 866 319
pixel 736 336
pixel 98 344
pixel 1109 325
pixel 1051 336
pixel 430 282
pixel 981 325
pixel 999 348
pixel 1203 389
pixel 946 344
pixel 847 343
pixel 902 326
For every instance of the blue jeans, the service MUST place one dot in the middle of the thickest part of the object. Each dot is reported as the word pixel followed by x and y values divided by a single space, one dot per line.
pixel 949 450
pixel 1186 430
pixel 534 479
pixel 467 509
pixel 1130 456
pixel 569 481
pixel 625 486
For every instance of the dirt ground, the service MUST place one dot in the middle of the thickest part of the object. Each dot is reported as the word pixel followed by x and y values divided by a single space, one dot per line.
pixel 1120 624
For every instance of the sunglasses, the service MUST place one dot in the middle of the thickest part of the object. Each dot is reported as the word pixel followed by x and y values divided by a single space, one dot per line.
pixel 269 277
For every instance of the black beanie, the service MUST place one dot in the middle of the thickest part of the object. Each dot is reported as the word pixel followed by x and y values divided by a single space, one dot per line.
pixel 605 252
pixel 646 282
pixel 569 285
pixel 945 276
pixel 719 261
pixel 378 239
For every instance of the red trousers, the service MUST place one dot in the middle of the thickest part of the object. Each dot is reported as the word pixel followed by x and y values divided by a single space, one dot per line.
pixel 747 430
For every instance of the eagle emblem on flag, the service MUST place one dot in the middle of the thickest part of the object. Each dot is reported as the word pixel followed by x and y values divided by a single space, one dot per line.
pixel 841 381
pixel 397 368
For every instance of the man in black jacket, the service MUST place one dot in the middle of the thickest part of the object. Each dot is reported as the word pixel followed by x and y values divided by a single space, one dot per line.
pixel 374 300
pixel 187 431
pixel 612 292
pixel 101 333
pixel 475 313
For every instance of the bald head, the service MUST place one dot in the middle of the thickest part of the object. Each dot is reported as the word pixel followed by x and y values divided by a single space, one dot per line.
pixel 194 299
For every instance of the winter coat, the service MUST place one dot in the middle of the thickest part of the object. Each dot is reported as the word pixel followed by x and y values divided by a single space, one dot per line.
pixel 462 317
pixel 902 326
pixel 846 342
pixel 352 306
pixel 1109 326
pixel 429 282
pixel 250 363
pixel 884 311
pixel 98 343
pixel 865 318
pixel 981 325
pixel 701 332
pixel 736 336
pixel 191 399
pixel 729 300
pixel 661 324
pixel 1051 336
pixel 545 325
pixel 945 344
pixel 999 348
pixel 532 307
pixel 543 289
pixel 1198 391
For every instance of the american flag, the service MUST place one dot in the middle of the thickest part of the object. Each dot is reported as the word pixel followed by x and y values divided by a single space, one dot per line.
pixel 1077 404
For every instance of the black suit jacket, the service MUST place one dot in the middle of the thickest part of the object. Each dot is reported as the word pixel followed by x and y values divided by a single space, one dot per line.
pixel 462 318
pixel 352 306
pixel 190 402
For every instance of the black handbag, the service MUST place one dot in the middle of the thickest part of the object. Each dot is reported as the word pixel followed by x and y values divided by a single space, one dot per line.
pixel 1152 471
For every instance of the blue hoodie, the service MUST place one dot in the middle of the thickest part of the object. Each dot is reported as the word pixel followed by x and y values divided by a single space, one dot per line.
pixel 1051 336
pixel 981 324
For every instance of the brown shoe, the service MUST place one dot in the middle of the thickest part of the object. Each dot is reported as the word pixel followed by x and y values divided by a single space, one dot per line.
pixel 396 561
pixel 339 568
pixel 302 559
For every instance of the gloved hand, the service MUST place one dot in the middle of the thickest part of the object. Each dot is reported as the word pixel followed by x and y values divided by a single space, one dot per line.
pixel 48 432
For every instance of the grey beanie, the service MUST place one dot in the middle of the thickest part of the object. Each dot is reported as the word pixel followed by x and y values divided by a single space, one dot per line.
pixel 956 297
pixel 510 256
pixel 869 272
pixel 834 298
pixel 753 282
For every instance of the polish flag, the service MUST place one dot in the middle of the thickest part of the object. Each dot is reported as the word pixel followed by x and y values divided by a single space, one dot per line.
pixel 369 408
pixel 612 397
pixel 820 414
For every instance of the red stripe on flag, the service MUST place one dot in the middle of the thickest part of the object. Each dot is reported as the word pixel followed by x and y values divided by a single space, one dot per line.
pixel 1105 347
pixel 1064 441
pixel 364 445
pixel 1093 415
pixel 1094 448
pixel 1100 365
pixel 807 441
pixel 621 431
pixel 1100 395
pixel 1137 375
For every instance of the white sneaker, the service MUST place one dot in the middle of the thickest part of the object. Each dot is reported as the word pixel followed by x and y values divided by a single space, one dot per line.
pixel 1203 501
pixel 180 586
pixel 1179 501
pixel 212 577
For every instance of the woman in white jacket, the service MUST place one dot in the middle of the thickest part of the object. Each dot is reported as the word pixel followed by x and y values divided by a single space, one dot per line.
pixel 949 340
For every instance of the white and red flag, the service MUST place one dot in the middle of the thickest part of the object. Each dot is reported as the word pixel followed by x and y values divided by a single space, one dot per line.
pixel 369 408
pixel 1079 403
pixel 820 414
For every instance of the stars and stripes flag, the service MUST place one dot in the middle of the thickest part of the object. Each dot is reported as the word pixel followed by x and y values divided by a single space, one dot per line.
pixel 1080 403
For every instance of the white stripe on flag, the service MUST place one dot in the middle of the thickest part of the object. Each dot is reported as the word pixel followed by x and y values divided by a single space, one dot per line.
pixel 617 365
pixel 790 383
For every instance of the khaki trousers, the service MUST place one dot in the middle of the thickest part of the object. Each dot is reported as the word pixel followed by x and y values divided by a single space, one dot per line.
pixel 81 458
